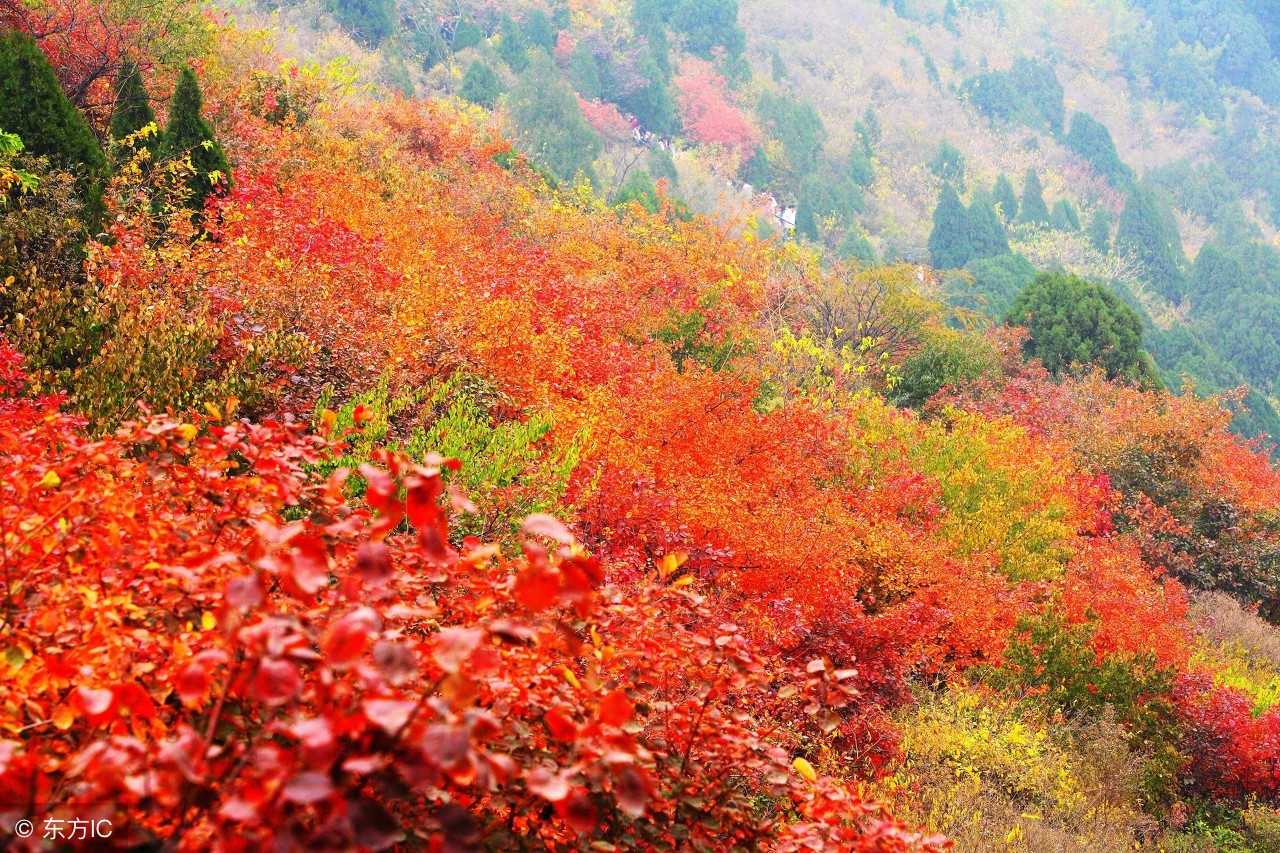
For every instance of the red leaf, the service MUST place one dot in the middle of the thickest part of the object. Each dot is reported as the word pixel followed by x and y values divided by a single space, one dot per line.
pixel 310 564
pixel 561 727
pixel 634 789
pixel 455 645
pixel 96 705
pixel 395 661
pixel 373 562
pixel 543 783
pixel 446 746
pixel 615 709
pixel 308 787
pixel 345 641
pixel 541 524
pixel 245 592
pixel 277 681
pixel 578 811
pixel 388 714
pixel 192 684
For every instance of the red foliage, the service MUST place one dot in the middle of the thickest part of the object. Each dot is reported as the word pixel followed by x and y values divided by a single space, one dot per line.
pixel 1230 754
pixel 211 639
pixel 708 112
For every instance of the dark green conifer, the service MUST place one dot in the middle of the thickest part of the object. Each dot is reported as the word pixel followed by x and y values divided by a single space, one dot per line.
pixel 1151 234
pixel 1064 217
pixel 987 236
pixel 1033 209
pixel 188 135
pixel 949 245
pixel 1005 198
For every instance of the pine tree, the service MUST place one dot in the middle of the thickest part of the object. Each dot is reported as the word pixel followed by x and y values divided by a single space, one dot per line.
pixel 133 108
pixel 584 71
pixel 1152 235
pixel 987 235
pixel 538 30
pixel 1100 230
pixel 949 245
pixel 1033 209
pixel 549 125
pixel 1064 217
pixel 480 85
pixel 188 135
pixel 368 21
pixel 1005 198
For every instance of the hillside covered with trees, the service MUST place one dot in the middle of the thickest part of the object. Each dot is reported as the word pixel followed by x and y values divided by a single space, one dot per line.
pixel 639 425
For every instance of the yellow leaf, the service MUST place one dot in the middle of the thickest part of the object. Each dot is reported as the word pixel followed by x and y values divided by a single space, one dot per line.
pixel 208 621
pixel 63 717
pixel 51 479
pixel 570 677
pixel 805 769
pixel 188 431
pixel 684 581
pixel 214 411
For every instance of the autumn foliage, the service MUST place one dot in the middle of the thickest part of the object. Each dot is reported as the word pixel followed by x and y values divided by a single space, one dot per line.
pixel 231 618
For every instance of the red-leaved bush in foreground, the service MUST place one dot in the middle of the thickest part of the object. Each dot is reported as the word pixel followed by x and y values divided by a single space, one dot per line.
pixel 209 646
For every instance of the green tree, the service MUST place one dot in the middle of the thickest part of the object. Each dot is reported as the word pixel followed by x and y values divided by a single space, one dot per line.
pixel 996 282
pixel 1005 198
pixel 1033 209
pixel 949 245
pixel 538 31
pixel 987 235
pixel 1073 322
pixel 797 126
pixel 513 48
pixel 651 103
pixel 1041 92
pixel 1090 139
pixel 549 126
pixel 584 71
pixel 948 165
pixel 480 85
pixel 189 135
pixel 1064 216
pixel 824 195
pixel 708 25
pixel 34 107
pixel 368 21
pixel 1151 234
pixel 1100 230
pixel 132 110
pixel 467 35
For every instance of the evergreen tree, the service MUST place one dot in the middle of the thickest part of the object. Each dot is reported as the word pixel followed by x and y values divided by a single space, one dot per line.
pixel 1090 139
pixel 651 104
pixel 480 85
pixel 34 107
pixel 708 25
pixel 795 124
pixel 584 71
pixel 987 235
pixel 188 135
pixel 1041 92
pixel 1033 209
pixel 1216 274
pixel 133 108
pixel 949 245
pixel 1064 217
pixel 1074 322
pixel 538 31
pixel 467 35
pixel 949 164
pixel 550 127
pixel 368 21
pixel 512 46
pixel 778 68
pixel 826 195
pixel 1100 230
pixel 1005 198
pixel 1152 235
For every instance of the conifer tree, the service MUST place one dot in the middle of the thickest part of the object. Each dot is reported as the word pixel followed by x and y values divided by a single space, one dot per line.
pixel 1005 198
pixel 987 235
pixel 1064 217
pixel 584 71
pixel 188 135
pixel 480 85
pixel 35 108
pixel 949 245
pixel 1033 209
pixel 512 45
pixel 133 107
pixel 1152 235
pixel 1090 139
pixel 1100 230
pixel 948 165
